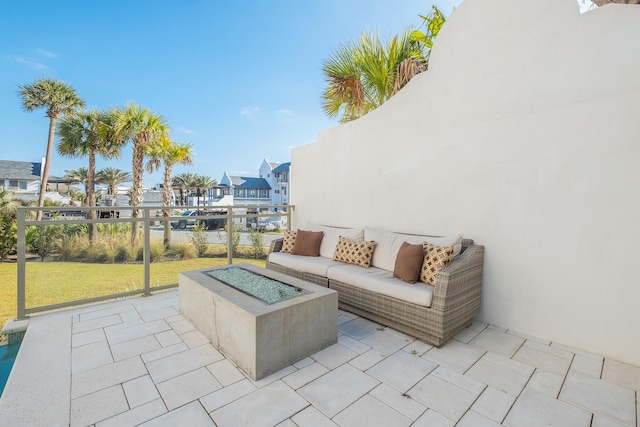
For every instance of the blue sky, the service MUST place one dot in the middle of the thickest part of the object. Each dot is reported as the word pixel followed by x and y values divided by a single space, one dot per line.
pixel 241 81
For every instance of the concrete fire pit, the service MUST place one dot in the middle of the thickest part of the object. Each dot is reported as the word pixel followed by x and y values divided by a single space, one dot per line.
pixel 260 338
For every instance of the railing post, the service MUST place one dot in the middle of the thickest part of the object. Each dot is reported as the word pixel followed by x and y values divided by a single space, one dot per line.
pixel 289 218
pixel 22 258
pixel 146 255
pixel 229 236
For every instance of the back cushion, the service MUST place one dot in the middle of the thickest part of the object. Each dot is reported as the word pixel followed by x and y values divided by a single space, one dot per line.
pixel 388 244
pixel 331 234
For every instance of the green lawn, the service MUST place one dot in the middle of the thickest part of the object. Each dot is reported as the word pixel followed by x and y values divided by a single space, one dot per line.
pixel 56 282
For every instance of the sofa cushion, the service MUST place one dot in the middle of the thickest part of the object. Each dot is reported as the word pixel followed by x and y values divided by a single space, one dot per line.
pixel 352 252
pixel 435 258
pixel 288 241
pixel 388 244
pixel 331 234
pixel 314 265
pixel 382 281
pixel 409 262
pixel 307 243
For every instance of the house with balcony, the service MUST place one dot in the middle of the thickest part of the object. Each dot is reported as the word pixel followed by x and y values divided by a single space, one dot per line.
pixel 271 187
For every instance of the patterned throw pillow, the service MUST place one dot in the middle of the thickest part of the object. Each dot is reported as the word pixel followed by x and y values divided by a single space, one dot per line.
pixel 351 252
pixel 436 258
pixel 288 241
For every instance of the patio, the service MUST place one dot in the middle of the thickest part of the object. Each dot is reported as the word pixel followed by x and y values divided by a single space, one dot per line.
pixel 138 361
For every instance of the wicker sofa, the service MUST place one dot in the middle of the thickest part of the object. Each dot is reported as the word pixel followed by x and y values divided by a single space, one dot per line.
pixel 430 313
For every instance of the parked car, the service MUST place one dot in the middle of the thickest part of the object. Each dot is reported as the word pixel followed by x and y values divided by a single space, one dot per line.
pixel 191 218
pixel 271 223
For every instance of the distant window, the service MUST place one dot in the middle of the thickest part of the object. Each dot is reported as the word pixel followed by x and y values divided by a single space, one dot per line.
pixel 264 193
pixel 268 175
pixel 284 190
pixel 20 185
pixel 252 193
pixel 277 191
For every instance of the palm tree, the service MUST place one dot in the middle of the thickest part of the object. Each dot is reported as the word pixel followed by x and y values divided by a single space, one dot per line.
pixel 112 177
pixel 78 176
pixel 88 134
pixel 170 153
pixel 203 183
pixel 362 75
pixel 59 99
pixel 140 126
pixel 186 181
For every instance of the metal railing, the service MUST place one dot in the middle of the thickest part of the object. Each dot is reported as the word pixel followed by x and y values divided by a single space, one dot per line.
pixel 148 215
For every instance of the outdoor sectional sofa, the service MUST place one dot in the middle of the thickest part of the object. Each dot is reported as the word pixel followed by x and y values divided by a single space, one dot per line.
pixel 432 313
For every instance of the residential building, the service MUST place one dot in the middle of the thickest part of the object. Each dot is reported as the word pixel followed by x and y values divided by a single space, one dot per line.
pixel 271 187
pixel 23 178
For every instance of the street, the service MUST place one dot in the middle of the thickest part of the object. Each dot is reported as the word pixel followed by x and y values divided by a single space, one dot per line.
pixel 178 235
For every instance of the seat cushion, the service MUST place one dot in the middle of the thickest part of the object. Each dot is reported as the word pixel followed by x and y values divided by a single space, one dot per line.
pixel 381 281
pixel 331 234
pixel 314 265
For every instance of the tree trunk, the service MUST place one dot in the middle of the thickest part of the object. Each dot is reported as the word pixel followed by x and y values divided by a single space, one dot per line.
pixel 166 201
pixel 91 197
pixel 45 171
pixel 136 190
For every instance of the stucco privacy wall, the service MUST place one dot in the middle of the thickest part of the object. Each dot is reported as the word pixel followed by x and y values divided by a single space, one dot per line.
pixel 524 136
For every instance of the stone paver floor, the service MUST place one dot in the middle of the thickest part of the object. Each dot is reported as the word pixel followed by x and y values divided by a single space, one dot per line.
pixel 138 361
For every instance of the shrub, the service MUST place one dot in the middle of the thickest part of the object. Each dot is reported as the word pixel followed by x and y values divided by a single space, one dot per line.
pixel 72 248
pixel 235 239
pixel 157 250
pixel 8 236
pixel 199 238
pixel 95 253
pixel 132 252
pixel 183 250
pixel 48 237
pixel 257 243
pixel 111 246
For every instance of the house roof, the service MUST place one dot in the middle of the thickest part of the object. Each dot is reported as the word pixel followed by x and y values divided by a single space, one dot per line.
pixel 10 169
pixel 284 167
pixel 249 182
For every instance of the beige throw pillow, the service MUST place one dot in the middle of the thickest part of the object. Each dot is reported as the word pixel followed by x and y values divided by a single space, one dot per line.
pixel 358 253
pixel 436 258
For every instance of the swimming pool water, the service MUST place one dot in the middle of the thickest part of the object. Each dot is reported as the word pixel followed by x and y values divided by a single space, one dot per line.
pixel 8 355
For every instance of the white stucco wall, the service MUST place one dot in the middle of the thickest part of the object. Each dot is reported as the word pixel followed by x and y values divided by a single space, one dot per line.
pixel 524 136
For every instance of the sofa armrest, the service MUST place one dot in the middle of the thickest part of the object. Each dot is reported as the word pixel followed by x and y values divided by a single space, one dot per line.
pixel 276 245
pixel 459 284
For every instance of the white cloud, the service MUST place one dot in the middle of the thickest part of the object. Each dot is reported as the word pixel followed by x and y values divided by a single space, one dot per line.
pixel 249 111
pixel 285 112
pixel 185 130
pixel 30 62
pixel 46 53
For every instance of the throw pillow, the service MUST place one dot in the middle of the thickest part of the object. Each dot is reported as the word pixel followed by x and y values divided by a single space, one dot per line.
pixel 351 252
pixel 436 258
pixel 288 241
pixel 307 243
pixel 409 262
